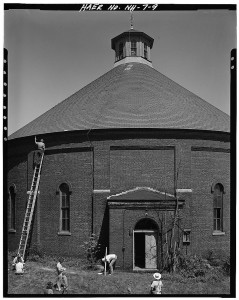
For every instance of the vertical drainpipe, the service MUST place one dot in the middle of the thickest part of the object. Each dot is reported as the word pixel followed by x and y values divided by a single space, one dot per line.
pixel 27 171
pixel 123 246
pixel 92 194
pixel 175 170
pixel 92 175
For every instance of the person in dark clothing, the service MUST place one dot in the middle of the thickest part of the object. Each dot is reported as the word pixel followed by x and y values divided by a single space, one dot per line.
pixel 49 288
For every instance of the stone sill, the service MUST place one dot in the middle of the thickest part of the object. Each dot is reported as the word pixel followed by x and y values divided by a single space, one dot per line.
pixel 66 233
pixel 218 233
pixel 12 230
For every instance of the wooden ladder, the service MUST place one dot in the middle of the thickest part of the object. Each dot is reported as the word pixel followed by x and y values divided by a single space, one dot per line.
pixel 30 208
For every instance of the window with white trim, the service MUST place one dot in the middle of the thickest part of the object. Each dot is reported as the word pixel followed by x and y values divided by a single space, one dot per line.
pixel 65 207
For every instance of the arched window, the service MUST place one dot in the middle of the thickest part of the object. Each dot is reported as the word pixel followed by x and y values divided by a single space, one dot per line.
pixel 65 207
pixel 121 46
pixel 145 51
pixel 12 209
pixel 133 48
pixel 218 207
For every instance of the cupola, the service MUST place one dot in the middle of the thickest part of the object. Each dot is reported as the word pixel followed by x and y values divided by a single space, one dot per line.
pixel 132 46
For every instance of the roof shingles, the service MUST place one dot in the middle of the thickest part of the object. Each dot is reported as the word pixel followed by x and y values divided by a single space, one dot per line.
pixel 139 97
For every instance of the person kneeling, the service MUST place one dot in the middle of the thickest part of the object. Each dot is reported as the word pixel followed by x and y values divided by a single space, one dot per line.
pixel 15 260
pixel 19 266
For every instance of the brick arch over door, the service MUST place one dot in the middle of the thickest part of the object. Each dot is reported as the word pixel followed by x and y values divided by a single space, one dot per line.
pixel 145 244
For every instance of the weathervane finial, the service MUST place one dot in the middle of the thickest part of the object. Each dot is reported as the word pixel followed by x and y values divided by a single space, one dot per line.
pixel 131 20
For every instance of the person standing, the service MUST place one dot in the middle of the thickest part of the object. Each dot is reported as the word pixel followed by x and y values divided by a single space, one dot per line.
pixel 156 285
pixel 61 277
pixel 38 153
pixel 110 259
pixel 40 145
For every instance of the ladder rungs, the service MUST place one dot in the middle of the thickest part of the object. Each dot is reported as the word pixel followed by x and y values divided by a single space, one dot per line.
pixel 30 208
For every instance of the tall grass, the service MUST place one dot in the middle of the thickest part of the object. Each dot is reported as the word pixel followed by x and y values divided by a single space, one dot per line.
pixel 83 281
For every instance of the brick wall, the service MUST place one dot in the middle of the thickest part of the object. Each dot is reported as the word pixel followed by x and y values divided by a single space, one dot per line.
pixel 120 165
pixel 17 177
pixel 134 167
pixel 209 168
pixel 75 169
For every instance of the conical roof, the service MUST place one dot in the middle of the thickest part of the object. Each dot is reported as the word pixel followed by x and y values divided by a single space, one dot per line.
pixel 132 95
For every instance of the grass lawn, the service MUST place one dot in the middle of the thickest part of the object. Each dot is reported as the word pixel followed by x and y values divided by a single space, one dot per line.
pixel 89 282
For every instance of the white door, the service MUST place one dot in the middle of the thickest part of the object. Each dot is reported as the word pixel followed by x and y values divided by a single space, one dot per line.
pixel 150 250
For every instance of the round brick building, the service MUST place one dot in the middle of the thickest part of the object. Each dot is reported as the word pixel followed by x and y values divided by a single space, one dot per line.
pixel 122 155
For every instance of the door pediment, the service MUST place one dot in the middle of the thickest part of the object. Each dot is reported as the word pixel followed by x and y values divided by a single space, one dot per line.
pixel 141 193
pixel 143 197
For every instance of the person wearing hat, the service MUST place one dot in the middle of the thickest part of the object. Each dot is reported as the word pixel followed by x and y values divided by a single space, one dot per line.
pixel 157 284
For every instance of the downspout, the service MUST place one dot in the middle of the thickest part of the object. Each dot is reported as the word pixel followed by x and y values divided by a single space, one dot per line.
pixel 92 174
pixel 92 194
pixel 123 246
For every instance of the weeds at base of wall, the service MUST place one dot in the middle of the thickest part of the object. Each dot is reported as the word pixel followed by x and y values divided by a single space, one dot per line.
pixel 202 269
pixel 211 268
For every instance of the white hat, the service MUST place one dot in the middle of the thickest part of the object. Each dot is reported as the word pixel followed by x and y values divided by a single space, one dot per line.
pixel 157 276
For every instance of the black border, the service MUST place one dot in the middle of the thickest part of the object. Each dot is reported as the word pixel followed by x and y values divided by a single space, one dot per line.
pixel 232 136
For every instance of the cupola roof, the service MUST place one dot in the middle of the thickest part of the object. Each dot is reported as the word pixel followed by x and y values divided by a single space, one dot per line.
pixel 130 34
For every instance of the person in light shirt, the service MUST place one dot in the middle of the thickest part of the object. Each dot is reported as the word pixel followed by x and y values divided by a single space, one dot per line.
pixel 38 153
pixel 15 260
pixel 157 284
pixel 40 145
pixel 61 277
pixel 19 266
pixel 110 259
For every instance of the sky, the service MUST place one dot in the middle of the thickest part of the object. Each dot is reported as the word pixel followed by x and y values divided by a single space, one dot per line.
pixel 53 54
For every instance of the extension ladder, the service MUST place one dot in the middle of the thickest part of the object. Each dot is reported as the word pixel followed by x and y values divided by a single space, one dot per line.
pixel 30 208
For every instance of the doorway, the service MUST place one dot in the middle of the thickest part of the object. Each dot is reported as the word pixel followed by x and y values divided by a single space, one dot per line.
pixel 145 245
